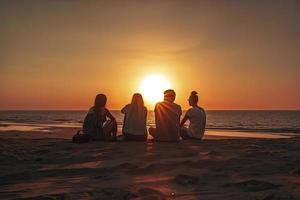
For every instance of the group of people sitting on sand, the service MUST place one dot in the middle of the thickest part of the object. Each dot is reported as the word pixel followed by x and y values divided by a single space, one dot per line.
pixel 100 124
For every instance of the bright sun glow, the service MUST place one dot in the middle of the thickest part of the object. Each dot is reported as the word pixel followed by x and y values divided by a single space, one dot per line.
pixel 153 87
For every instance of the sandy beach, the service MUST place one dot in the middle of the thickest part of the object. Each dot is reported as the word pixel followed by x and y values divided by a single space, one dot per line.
pixel 226 72
pixel 46 165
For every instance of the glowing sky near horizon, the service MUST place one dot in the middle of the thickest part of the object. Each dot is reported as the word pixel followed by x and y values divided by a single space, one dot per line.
pixel 236 54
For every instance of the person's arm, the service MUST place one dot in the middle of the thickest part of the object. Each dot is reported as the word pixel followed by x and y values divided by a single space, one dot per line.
pixel 146 112
pixel 185 118
pixel 155 114
pixel 87 123
pixel 110 116
pixel 204 117
pixel 123 110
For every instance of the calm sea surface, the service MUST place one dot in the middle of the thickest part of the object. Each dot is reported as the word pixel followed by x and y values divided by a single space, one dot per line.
pixel 254 121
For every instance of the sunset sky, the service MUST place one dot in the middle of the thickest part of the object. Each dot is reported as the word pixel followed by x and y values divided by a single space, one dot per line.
pixel 236 54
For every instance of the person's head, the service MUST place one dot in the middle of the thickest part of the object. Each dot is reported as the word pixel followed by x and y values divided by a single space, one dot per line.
pixel 169 95
pixel 193 99
pixel 137 100
pixel 100 101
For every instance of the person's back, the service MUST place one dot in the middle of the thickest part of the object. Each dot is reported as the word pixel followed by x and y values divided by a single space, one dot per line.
pixel 167 116
pixel 96 124
pixel 134 127
pixel 167 119
pixel 197 118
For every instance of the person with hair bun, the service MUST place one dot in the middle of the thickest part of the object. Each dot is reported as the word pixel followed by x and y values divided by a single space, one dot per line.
pixel 197 117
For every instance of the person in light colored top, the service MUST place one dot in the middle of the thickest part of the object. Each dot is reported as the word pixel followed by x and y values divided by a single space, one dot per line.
pixel 167 119
pixel 197 117
pixel 134 126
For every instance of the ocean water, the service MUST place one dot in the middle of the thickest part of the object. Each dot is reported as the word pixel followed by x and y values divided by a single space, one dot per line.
pixel 245 121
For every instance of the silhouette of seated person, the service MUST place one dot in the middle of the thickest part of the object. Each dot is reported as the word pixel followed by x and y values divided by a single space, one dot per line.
pixel 197 118
pixel 167 119
pixel 96 124
pixel 134 126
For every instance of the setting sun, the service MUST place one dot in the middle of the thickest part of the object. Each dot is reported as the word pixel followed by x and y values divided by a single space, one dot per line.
pixel 152 88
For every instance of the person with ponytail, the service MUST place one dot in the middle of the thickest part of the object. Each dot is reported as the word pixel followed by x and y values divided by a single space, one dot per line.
pixel 197 117
pixel 96 124
pixel 134 126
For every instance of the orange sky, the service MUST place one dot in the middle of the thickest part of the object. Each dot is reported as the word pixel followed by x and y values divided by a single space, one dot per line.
pixel 237 55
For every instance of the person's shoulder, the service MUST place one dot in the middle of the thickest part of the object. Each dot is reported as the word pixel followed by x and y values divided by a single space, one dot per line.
pixel 177 106
pixel 106 111
pixel 91 110
pixel 202 109
pixel 190 110
pixel 127 106
pixel 158 104
pixel 145 108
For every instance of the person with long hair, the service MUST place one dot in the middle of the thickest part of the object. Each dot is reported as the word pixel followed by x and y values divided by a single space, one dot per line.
pixel 134 126
pixel 197 117
pixel 96 124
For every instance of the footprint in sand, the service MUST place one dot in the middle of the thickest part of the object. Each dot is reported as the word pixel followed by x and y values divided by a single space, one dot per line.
pixel 253 185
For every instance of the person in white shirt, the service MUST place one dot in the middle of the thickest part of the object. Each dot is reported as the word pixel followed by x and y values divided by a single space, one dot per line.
pixel 197 117
pixel 134 126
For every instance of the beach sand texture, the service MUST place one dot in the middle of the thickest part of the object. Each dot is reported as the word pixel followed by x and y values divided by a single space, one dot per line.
pixel 44 166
